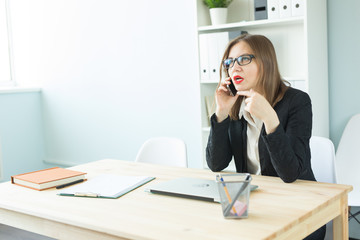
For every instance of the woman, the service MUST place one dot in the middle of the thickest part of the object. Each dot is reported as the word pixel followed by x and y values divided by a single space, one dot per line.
pixel 267 125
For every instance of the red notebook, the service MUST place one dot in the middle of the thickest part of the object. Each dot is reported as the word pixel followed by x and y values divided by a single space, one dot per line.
pixel 47 178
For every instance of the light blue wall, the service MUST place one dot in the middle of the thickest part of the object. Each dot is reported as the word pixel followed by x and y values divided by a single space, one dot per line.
pixel 91 108
pixel 344 63
pixel 113 74
pixel 21 133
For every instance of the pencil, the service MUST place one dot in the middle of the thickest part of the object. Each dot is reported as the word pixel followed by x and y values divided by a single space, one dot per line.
pixel 227 194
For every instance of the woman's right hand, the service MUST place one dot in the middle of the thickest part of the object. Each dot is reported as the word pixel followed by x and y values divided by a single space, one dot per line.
pixel 224 100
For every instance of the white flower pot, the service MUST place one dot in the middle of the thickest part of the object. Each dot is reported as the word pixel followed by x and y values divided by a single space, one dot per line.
pixel 218 15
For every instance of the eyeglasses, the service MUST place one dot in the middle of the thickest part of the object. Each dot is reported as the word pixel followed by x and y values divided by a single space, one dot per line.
pixel 242 61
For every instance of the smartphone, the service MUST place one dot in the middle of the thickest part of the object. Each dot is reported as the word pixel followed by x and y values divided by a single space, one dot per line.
pixel 232 88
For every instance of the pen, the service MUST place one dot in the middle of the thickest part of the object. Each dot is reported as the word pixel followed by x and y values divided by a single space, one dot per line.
pixel 227 194
pixel 87 194
pixel 69 184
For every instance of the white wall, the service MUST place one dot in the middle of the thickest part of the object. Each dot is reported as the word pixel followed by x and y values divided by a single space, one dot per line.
pixel 114 73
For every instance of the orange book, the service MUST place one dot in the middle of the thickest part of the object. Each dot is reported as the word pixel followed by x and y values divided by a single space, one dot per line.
pixel 47 178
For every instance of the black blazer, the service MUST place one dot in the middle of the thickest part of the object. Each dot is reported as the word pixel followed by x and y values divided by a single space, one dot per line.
pixel 284 153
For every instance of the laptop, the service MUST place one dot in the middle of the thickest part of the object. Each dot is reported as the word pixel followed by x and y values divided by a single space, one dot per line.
pixel 193 188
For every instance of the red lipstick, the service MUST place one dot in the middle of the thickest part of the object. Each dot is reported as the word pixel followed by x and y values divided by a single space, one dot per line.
pixel 237 79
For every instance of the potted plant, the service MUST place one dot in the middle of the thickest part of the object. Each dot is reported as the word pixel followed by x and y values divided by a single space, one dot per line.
pixel 218 10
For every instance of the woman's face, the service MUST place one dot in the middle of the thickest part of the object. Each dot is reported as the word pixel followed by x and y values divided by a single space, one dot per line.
pixel 244 77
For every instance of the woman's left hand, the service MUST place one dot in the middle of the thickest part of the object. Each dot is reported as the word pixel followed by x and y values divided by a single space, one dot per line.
pixel 257 105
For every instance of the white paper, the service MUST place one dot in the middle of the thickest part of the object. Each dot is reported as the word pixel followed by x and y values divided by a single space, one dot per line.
pixel 106 185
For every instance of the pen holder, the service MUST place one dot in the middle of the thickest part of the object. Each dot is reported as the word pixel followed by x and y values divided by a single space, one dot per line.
pixel 234 190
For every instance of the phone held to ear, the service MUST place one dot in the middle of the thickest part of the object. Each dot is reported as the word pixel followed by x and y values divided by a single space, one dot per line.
pixel 232 88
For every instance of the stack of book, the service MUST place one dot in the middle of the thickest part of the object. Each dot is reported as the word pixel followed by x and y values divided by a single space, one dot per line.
pixel 48 178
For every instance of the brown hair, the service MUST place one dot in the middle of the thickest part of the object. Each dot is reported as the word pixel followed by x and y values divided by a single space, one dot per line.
pixel 272 86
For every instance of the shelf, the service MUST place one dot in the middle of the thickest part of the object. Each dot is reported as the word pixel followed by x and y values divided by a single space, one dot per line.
pixel 206 129
pixel 252 24
pixel 209 82
pixel 301 49
pixel 299 78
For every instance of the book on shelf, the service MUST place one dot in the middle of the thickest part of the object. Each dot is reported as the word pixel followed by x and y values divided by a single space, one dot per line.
pixel 106 186
pixel 210 106
pixel 47 178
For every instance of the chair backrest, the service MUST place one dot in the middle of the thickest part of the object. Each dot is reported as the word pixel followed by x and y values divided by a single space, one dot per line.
pixel 323 159
pixel 347 161
pixel 163 150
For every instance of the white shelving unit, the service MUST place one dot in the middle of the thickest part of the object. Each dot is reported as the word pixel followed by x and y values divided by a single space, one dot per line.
pixel 301 47
pixel 252 24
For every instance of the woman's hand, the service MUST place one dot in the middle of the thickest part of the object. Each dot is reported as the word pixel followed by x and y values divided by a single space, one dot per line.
pixel 224 101
pixel 257 105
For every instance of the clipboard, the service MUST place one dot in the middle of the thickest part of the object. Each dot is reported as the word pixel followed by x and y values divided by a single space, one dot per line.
pixel 106 186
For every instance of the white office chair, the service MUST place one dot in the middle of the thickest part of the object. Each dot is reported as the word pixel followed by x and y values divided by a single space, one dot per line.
pixel 323 165
pixel 163 150
pixel 323 159
pixel 347 162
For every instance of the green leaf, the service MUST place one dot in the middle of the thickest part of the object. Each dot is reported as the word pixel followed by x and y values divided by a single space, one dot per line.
pixel 217 3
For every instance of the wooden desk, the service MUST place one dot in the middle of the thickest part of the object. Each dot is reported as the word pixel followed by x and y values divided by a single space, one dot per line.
pixel 277 210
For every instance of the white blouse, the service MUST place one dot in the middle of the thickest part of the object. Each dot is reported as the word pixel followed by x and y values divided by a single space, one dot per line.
pixel 254 126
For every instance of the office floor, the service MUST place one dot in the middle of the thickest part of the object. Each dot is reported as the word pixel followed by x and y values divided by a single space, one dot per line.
pixel 352 232
pixel 10 233
pixel 354 227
